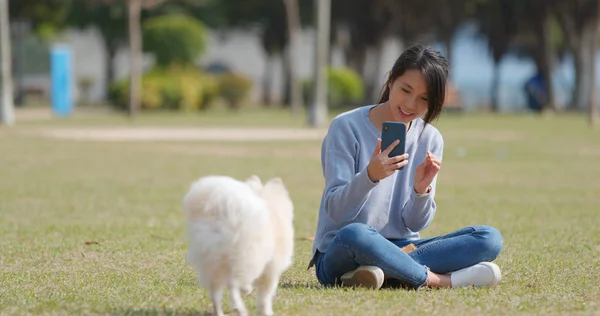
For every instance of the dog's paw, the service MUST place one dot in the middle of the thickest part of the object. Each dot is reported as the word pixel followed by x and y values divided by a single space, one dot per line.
pixel 246 290
pixel 263 311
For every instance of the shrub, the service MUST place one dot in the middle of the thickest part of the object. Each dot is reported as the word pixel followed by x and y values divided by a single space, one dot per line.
pixel 211 92
pixel 345 87
pixel 234 89
pixel 118 94
pixel 174 39
pixel 170 88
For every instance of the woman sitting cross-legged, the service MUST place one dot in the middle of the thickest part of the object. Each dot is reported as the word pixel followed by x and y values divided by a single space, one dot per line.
pixel 370 210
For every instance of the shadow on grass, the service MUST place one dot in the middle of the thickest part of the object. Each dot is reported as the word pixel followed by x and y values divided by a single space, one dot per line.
pixel 300 286
pixel 388 285
pixel 135 311
pixel 156 311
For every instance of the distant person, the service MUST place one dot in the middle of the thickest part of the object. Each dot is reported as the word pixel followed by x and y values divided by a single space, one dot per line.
pixel 369 211
pixel 536 92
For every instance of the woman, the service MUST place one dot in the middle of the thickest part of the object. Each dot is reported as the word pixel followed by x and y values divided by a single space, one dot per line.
pixel 369 211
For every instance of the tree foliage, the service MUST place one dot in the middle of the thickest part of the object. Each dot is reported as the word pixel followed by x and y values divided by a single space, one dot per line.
pixel 47 18
pixel 174 39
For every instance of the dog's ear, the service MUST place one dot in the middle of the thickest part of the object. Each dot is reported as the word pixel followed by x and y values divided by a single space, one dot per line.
pixel 277 185
pixel 255 183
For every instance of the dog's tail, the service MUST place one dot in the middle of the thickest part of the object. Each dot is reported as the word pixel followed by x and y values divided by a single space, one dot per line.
pixel 212 197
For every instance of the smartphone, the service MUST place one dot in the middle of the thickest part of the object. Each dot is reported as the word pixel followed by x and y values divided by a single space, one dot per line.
pixel 390 132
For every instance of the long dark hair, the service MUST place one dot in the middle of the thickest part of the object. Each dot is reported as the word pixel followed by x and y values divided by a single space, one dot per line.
pixel 434 67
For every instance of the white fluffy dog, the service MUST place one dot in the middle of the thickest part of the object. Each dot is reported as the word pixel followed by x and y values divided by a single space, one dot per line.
pixel 241 236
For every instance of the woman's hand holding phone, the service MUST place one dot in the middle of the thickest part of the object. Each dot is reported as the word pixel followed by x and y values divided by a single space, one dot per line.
pixel 381 166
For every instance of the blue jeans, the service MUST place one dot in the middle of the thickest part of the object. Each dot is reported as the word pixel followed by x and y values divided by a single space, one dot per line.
pixel 358 244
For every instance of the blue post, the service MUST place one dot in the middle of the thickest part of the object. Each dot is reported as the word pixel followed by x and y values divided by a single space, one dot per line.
pixel 62 99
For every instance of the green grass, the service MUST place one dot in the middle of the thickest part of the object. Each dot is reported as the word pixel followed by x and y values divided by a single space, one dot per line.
pixel 537 183
pixel 244 117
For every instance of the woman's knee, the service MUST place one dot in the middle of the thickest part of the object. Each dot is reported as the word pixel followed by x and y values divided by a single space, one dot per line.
pixel 354 233
pixel 491 240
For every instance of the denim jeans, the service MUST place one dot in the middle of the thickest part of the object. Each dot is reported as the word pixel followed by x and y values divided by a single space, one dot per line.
pixel 358 244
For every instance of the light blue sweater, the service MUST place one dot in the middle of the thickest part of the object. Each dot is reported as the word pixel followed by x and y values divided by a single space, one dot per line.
pixel 391 206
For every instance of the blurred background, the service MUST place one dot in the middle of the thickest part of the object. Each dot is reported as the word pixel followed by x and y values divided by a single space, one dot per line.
pixel 505 55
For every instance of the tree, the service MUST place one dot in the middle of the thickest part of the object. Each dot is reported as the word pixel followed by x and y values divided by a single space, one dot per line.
pixel 110 18
pixel 526 29
pixel 593 107
pixel 175 39
pixel 46 19
pixel 536 16
pixel 363 26
pixel 496 23
pixel 293 27
pixel 134 10
pixel 7 106
pixel 318 110
pixel 445 19
pixel 273 40
pixel 269 18
pixel 359 26
pixel 579 21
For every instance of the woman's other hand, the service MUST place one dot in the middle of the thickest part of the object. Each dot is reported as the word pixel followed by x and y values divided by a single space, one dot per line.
pixel 425 173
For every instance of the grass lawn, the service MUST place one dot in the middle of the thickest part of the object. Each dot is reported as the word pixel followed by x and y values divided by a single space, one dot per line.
pixel 101 116
pixel 97 227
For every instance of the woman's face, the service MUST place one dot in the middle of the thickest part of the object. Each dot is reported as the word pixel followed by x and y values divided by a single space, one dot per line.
pixel 408 96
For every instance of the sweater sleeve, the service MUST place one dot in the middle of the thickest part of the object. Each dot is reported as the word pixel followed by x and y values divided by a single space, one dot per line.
pixel 420 209
pixel 346 191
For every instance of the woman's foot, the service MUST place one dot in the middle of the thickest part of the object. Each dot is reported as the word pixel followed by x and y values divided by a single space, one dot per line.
pixel 364 276
pixel 480 275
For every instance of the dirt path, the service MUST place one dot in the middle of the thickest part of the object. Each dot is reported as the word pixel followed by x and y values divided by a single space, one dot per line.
pixel 156 133
pixel 181 134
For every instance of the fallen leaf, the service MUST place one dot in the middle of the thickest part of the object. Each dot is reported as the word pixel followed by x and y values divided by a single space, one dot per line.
pixel 158 237
pixel 87 243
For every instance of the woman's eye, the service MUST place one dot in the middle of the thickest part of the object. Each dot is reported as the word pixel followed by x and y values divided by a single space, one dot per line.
pixel 424 99
pixel 405 90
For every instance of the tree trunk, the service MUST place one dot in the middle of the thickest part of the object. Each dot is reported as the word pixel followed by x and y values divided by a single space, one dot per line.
pixel 449 45
pixel 109 60
pixel 374 89
pixel 111 53
pixel 593 106
pixel 286 75
pixel 547 62
pixel 495 87
pixel 7 116
pixel 20 44
pixel 580 40
pixel 267 80
pixel 356 58
pixel 318 113
pixel 576 100
pixel 135 62
pixel 583 62
pixel 294 28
